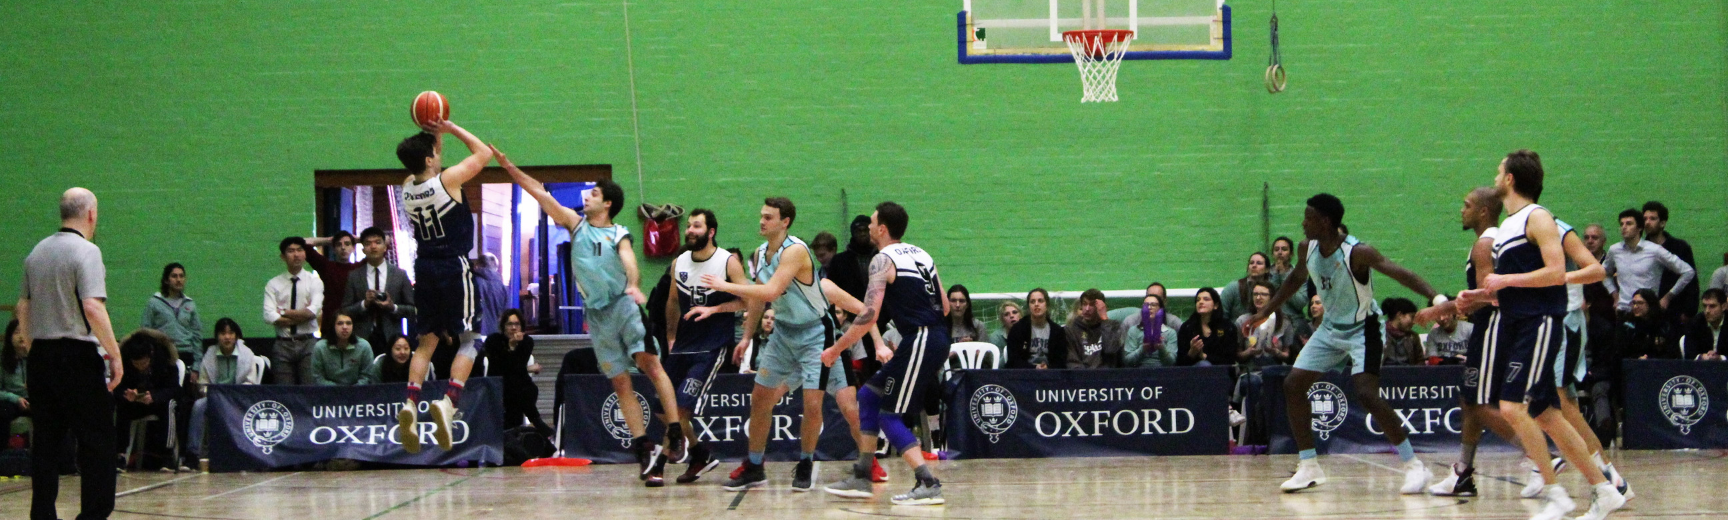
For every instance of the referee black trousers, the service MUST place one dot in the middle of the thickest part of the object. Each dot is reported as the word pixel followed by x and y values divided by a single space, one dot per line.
pixel 68 393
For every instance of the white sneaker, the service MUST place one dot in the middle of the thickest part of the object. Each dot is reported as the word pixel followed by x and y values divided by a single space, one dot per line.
pixel 1458 483
pixel 1555 504
pixel 443 413
pixel 407 431
pixel 1606 500
pixel 1415 477
pixel 1533 485
pixel 1308 474
pixel 1620 484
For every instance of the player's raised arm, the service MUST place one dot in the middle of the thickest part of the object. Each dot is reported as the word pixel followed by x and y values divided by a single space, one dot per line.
pixel 479 155
pixel 563 216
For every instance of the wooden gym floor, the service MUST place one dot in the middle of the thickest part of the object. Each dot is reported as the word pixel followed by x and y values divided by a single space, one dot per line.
pixel 1690 484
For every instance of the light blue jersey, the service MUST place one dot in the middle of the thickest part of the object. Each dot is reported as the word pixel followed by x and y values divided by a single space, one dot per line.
pixel 595 265
pixel 803 304
pixel 1348 302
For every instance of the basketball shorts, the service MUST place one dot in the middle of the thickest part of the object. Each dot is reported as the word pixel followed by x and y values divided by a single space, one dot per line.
pixel 1475 363
pixel 617 333
pixel 1522 350
pixel 692 373
pixel 903 380
pixel 1571 364
pixel 1357 348
pixel 444 296
pixel 793 359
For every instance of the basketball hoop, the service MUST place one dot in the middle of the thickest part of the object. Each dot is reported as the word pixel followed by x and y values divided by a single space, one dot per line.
pixel 1098 53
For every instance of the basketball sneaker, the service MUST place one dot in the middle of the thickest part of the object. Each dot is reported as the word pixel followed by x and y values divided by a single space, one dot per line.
pixel 1415 477
pixel 1606 499
pixel 657 469
pixel 1620 484
pixel 752 476
pixel 700 462
pixel 647 455
pixel 676 451
pixel 1555 504
pixel 442 414
pixel 407 431
pixel 877 474
pixel 1308 475
pixel 1534 484
pixel 923 494
pixel 801 479
pixel 858 486
pixel 1461 483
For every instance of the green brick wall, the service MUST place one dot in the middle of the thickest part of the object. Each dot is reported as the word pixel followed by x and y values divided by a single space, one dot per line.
pixel 199 125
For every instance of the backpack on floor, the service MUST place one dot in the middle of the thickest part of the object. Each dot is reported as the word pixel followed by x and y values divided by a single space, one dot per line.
pixel 14 463
pixel 523 443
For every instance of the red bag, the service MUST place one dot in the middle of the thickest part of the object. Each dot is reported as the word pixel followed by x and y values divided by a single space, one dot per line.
pixel 660 229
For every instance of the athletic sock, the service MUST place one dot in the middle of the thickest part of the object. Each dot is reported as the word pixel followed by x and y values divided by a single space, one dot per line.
pixel 756 458
pixel 454 392
pixel 1598 458
pixel 807 455
pixel 1307 454
pixel 1467 455
pixel 413 392
pixel 1405 452
pixel 926 477
pixel 866 461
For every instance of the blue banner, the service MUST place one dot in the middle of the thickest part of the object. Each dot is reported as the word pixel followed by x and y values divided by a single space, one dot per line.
pixel 594 426
pixel 258 427
pixel 1424 397
pixel 1674 404
pixel 1089 413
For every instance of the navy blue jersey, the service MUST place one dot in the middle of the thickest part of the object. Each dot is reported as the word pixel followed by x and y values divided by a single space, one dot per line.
pixel 716 331
pixel 443 226
pixel 913 300
pixel 1470 263
pixel 1514 253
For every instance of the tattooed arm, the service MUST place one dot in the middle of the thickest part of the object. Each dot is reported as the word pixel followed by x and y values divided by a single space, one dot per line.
pixel 881 273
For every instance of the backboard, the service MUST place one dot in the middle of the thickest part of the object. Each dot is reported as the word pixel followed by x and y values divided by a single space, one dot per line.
pixel 1030 31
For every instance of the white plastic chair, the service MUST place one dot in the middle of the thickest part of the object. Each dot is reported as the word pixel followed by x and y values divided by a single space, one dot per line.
pixel 971 355
pixel 1682 347
pixel 260 366
pixel 139 424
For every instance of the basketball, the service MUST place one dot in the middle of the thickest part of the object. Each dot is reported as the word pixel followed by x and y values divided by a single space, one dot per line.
pixel 430 108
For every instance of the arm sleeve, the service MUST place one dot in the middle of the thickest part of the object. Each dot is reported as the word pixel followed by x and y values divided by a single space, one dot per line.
pixel 317 306
pixel 270 310
pixel 92 276
pixel 405 304
pixel 317 371
pixel 1675 264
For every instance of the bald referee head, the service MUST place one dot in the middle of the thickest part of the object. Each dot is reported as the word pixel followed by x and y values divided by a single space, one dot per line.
pixel 63 314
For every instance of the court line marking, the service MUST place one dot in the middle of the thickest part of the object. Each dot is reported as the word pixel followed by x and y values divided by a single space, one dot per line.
pixel 151 487
pixel 737 499
pixel 434 491
pixel 237 490
pixel 1508 480
pixel 166 515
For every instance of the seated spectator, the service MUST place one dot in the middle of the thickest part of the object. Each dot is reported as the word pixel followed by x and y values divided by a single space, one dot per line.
pixel 1448 341
pixel 1206 337
pixel 1007 315
pixel 1719 278
pixel 1283 251
pixel 1032 340
pixel 146 387
pixel 341 360
pixel 1645 334
pixel 1704 341
pixel 1094 340
pixel 1316 312
pixel 1403 346
pixel 1235 297
pixel 961 325
pixel 1142 348
pixel 14 396
pixel 392 366
pixel 1170 318
pixel 1130 317
pixel 507 354
pixel 174 313
pixel 1269 344
pixel 228 362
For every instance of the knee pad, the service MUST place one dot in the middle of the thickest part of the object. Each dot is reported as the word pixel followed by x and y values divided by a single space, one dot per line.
pixel 898 434
pixel 869 411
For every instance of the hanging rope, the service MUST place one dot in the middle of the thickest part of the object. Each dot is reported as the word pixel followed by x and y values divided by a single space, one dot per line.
pixel 1275 62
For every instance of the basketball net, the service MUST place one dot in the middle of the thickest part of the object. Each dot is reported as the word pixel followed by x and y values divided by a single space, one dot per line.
pixel 1098 53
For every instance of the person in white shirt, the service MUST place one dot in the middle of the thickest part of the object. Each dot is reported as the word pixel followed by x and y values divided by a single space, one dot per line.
pixel 292 302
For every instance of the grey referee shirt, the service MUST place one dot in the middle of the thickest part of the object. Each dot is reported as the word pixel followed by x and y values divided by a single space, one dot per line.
pixel 59 274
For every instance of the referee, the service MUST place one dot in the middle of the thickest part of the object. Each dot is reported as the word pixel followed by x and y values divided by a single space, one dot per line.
pixel 62 312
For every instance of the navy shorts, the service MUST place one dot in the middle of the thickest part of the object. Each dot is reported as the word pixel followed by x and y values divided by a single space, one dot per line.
pixel 444 296
pixel 692 373
pixel 1474 363
pixel 1524 350
pixel 903 380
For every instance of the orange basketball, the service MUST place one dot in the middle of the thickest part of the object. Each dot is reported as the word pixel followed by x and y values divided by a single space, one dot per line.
pixel 430 108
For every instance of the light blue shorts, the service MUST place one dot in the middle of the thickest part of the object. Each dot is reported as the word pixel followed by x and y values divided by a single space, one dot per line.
pixel 1357 348
pixel 1572 354
pixel 793 359
pixel 617 334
